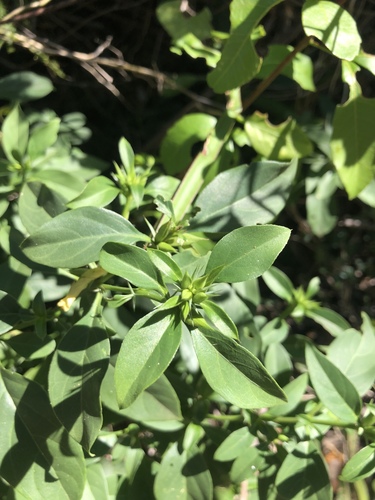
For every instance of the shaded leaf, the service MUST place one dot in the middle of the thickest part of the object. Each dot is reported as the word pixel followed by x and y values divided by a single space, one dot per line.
pixel 24 86
pixel 232 371
pixel 75 238
pixel 15 135
pixel 38 458
pixel 294 392
pixel 43 137
pixel 330 320
pixel 361 465
pixel 244 196
pixel 238 442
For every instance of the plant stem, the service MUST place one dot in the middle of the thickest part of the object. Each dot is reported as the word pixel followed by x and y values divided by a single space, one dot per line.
pixel 311 420
pixel 275 73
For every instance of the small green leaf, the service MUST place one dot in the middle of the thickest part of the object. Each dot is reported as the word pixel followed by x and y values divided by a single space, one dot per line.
pixel 361 465
pixel 333 26
pixel 303 475
pixel 75 238
pixel 232 371
pixel 277 142
pixel 279 283
pixel 330 320
pixel 334 390
pixel 43 137
pixel 10 312
pixel 247 252
pixel 146 351
pixel 76 372
pixel 175 151
pixel 15 135
pixel 173 20
pixel 220 319
pixel 131 263
pixel 353 143
pixel 183 475
pixel 24 86
pixel 238 442
pixel 294 392
pixel 278 363
pixel 240 62
pixel 166 265
pixel 99 192
pixel 126 155
pixel 38 458
pixel 244 196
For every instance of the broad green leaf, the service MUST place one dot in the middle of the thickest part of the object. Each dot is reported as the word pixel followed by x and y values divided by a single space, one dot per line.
pixel 238 442
pixel 38 458
pixel 30 346
pixel 247 252
pixel 96 485
pixel 361 465
pixel 233 372
pixel 166 265
pixel 162 185
pixel 303 475
pixel 10 312
pixel 99 192
pixel 333 26
pixel 353 143
pixel 178 25
pixel 131 263
pixel 183 475
pixel 146 351
pixel 42 137
pixel 353 354
pixel 159 402
pixel 220 319
pixel 243 196
pixel 330 320
pixel 274 332
pixel 300 69
pixel 240 62
pixel 75 238
pixel 277 142
pixel 279 283
pixel 37 205
pixel 320 190
pixel 176 147
pixel 294 392
pixel 67 184
pixel 15 135
pixel 334 390
pixel 246 465
pixel 126 155
pixel 24 86
pixel 195 49
pixel 76 373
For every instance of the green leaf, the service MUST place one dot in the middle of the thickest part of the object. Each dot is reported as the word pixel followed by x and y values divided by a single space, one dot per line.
pixel 166 265
pixel 15 135
pixel 247 252
pixel 75 238
pixel 126 155
pixel 278 363
pixel 146 351
pixel 10 312
pixel 232 371
pixel 319 201
pixel 99 192
pixel 361 465
pixel 76 372
pixel 279 283
pixel 43 137
pixel 294 392
pixel 353 354
pixel 273 332
pixel 333 26
pixel 183 475
pixel 96 483
pixel 37 205
pixel 240 62
pixel 244 196
pixel 131 263
pixel 38 458
pixel 303 475
pixel 353 143
pixel 219 319
pixel 238 442
pixel 334 390
pixel 300 69
pixel 173 20
pixel 366 61
pixel 67 184
pixel 30 346
pixel 277 142
pixel 247 465
pixel 24 86
pixel 176 147
pixel 330 320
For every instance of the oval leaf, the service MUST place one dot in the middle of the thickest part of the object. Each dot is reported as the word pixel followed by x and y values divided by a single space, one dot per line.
pixel 247 252
pixel 361 465
pixel 233 372
pixel 145 353
pixel 24 86
pixel 75 238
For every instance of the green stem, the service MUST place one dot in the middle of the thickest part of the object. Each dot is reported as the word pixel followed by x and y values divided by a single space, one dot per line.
pixel 311 420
